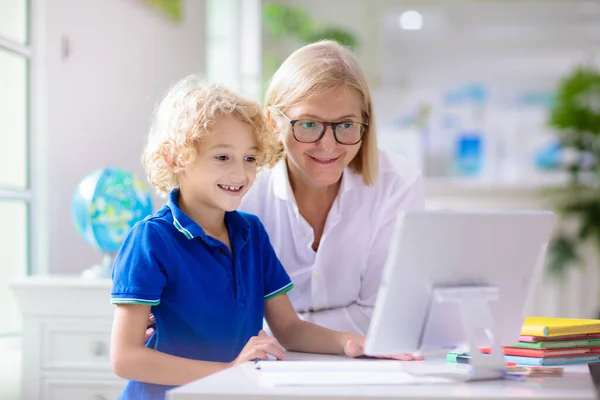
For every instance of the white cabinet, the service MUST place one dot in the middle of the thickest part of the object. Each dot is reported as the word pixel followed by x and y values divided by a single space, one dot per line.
pixel 66 338
pixel 80 389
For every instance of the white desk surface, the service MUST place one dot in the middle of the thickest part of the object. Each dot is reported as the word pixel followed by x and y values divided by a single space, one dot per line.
pixel 242 382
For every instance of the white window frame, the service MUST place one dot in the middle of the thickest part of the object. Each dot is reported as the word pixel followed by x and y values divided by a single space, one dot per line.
pixel 32 195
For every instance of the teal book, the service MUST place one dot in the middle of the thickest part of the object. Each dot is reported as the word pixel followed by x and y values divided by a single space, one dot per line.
pixel 567 344
pixel 553 361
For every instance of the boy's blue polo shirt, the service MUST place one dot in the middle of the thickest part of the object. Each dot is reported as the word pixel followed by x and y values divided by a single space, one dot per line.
pixel 207 301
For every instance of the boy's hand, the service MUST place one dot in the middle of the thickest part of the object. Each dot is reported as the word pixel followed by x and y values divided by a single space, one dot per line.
pixel 355 348
pixel 260 347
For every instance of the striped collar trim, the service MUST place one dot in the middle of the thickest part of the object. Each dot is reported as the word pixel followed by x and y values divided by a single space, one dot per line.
pixel 181 221
pixel 181 229
pixel 191 229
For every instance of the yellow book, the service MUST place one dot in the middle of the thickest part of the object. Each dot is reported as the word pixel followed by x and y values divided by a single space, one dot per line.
pixel 546 326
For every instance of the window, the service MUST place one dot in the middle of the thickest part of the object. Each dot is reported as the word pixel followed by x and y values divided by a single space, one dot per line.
pixel 16 194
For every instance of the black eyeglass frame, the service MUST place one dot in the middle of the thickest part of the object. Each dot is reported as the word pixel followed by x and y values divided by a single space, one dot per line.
pixel 333 125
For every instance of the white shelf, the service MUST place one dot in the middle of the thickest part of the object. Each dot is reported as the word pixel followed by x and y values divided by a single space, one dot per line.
pixel 466 187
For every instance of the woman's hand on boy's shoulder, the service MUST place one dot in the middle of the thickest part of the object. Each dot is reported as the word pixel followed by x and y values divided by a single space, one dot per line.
pixel 354 347
pixel 150 330
pixel 259 348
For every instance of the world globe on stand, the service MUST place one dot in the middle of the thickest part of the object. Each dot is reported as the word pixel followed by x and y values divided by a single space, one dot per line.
pixel 105 206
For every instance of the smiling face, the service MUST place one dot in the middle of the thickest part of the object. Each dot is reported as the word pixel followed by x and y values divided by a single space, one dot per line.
pixel 321 164
pixel 224 168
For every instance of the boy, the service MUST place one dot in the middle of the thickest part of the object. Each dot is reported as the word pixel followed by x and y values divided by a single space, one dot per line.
pixel 207 272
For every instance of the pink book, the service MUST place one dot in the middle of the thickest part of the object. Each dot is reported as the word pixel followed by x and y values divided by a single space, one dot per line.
pixel 534 339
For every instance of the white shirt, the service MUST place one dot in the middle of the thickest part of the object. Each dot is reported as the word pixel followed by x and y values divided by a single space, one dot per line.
pixel 337 285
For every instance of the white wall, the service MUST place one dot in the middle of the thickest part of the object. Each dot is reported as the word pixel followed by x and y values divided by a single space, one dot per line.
pixel 123 54
pixel 507 42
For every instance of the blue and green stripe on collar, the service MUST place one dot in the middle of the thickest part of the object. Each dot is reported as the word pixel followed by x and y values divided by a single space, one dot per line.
pixel 191 230
pixel 181 229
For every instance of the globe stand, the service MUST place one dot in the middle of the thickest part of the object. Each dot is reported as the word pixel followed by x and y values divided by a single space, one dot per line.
pixel 100 271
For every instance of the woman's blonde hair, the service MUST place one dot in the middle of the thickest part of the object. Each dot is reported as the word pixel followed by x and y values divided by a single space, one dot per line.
pixel 185 116
pixel 315 70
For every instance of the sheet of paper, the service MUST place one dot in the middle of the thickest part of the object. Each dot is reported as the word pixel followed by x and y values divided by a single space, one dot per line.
pixel 331 373
pixel 330 366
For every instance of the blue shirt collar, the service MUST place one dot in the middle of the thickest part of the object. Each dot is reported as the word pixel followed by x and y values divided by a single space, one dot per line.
pixel 188 227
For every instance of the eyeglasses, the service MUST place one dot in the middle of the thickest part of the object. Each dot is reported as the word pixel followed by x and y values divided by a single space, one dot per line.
pixel 307 131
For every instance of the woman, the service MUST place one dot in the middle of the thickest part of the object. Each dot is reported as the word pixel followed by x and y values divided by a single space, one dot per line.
pixel 331 203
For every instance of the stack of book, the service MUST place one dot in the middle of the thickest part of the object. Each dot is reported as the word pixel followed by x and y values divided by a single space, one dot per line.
pixel 556 341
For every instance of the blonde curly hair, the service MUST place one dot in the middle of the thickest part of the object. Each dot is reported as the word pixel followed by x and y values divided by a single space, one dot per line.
pixel 185 116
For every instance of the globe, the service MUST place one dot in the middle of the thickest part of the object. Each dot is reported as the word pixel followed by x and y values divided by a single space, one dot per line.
pixel 105 206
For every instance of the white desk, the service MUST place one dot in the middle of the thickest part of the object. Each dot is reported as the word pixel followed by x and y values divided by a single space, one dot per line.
pixel 242 382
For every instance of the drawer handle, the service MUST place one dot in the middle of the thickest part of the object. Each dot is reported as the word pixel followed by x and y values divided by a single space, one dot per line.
pixel 99 349
pixel 98 397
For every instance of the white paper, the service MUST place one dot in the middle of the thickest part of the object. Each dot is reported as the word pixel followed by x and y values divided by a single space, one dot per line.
pixel 330 366
pixel 332 373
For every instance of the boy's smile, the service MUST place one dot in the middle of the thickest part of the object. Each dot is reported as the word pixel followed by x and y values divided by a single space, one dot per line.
pixel 232 190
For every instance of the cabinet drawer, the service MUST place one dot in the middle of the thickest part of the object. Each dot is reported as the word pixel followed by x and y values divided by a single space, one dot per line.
pixel 56 389
pixel 76 344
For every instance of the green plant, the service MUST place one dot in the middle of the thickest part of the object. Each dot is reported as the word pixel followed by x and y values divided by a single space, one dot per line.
pixel 172 8
pixel 575 116
pixel 283 21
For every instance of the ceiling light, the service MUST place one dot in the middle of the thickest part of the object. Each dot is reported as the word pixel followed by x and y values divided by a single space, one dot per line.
pixel 411 20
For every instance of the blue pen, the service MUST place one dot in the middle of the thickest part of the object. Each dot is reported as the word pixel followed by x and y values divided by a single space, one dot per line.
pixel 257 363
pixel 269 358
pixel 515 376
